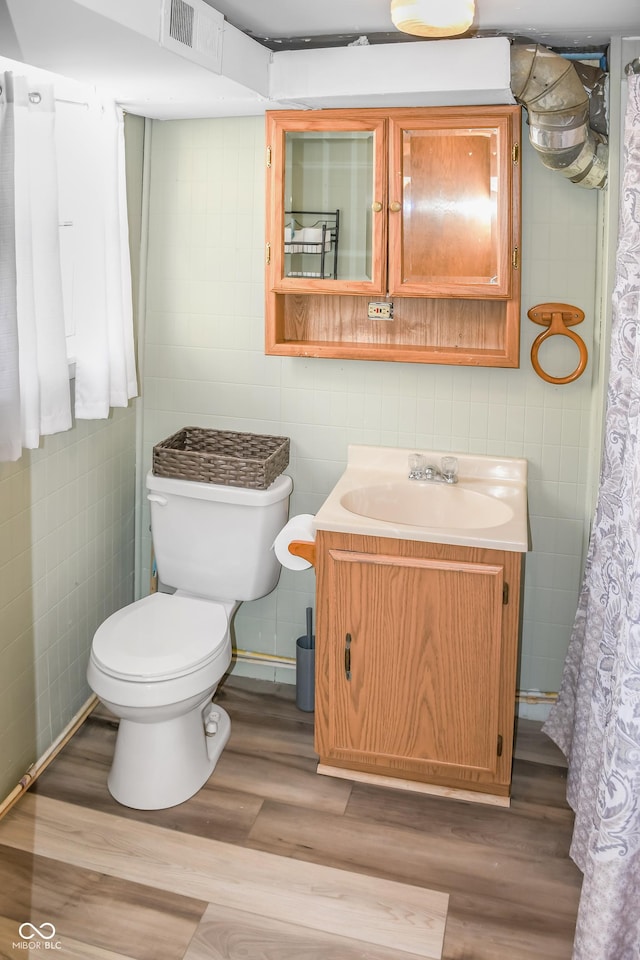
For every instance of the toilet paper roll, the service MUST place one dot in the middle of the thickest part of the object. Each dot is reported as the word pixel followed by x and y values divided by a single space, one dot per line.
pixel 299 527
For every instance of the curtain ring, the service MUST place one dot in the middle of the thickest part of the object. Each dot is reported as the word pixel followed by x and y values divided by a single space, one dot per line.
pixel 559 318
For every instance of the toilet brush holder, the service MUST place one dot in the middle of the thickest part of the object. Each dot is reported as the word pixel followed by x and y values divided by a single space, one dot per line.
pixel 305 674
pixel 306 669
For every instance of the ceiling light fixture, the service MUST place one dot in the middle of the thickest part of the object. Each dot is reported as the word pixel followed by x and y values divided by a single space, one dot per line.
pixel 433 18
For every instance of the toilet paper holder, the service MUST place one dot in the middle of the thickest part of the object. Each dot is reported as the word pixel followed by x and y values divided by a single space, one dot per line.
pixel 306 549
pixel 295 544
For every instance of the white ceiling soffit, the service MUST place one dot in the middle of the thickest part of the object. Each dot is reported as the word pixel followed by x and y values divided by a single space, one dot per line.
pixel 447 73
pixel 115 46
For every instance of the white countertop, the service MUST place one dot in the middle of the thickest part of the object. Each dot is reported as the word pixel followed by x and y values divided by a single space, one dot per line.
pixel 385 469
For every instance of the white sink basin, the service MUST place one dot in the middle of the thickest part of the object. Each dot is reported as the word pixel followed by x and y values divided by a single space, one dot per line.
pixel 374 497
pixel 428 505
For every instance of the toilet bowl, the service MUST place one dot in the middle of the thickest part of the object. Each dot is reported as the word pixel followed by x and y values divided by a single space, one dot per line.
pixel 156 665
pixel 157 662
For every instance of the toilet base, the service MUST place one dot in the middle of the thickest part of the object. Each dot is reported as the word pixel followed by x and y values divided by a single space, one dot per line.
pixel 159 765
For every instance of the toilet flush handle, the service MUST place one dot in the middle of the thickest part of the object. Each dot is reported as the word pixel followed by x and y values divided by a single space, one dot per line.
pixel 156 498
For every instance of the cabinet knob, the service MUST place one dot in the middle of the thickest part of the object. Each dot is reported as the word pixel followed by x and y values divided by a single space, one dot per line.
pixel 395 207
pixel 376 206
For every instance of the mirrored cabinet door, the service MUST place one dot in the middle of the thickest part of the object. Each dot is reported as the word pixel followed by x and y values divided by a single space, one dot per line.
pixel 327 224
pixel 450 205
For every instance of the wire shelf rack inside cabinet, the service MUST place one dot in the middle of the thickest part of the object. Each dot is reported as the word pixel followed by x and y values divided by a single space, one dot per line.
pixel 311 243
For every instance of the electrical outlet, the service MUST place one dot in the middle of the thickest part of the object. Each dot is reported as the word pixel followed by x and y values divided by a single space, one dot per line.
pixel 380 310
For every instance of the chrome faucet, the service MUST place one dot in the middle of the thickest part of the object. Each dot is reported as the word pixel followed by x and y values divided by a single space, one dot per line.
pixel 419 469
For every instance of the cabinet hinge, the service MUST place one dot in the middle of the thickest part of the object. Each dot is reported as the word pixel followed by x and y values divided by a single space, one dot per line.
pixel 505 593
pixel 268 156
pixel 499 745
pixel 515 258
pixel 267 254
pixel 515 153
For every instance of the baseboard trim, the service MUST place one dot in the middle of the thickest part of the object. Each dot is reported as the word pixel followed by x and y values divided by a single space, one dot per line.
pixel 50 754
pixel 414 786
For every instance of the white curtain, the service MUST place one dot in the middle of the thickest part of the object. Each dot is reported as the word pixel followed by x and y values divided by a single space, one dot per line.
pixel 596 721
pixel 105 364
pixel 10 433
pixel 39 365
pixel 34 391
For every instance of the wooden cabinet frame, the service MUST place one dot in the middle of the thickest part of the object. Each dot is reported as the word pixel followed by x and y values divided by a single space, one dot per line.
pixel 457 322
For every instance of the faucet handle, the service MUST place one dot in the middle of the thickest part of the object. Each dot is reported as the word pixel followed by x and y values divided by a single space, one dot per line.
pixel 417 464
pixel 449 469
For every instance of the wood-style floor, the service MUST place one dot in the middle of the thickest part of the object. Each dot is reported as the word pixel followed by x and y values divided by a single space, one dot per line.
pixel 270 861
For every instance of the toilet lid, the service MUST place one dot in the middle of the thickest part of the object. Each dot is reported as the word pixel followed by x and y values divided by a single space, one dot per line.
pixel 160 637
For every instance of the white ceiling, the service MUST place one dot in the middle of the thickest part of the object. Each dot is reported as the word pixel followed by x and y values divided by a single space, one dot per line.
pixel 573 23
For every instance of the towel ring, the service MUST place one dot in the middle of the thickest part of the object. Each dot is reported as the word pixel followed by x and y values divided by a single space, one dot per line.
pixel 559 318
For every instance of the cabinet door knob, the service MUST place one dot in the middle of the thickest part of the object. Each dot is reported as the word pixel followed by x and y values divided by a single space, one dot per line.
pixel 395 207
pixel 376 206
pixel 347 656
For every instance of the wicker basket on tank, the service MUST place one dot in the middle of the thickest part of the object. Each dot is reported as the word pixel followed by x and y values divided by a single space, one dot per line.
pixel 221 456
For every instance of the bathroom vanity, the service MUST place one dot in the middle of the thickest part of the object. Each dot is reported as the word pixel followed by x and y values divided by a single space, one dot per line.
pixel 418 622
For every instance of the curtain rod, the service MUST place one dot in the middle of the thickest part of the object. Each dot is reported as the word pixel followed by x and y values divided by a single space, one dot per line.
pixel 35 97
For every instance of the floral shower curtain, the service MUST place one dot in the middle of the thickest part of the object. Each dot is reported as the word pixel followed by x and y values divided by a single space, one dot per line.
pixel 596 721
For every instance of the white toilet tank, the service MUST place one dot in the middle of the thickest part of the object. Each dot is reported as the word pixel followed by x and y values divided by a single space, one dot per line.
pixel 215 541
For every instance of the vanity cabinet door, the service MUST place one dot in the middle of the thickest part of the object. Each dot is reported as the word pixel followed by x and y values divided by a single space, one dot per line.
pixel 452 230
pixel 410 666
pixel 326 207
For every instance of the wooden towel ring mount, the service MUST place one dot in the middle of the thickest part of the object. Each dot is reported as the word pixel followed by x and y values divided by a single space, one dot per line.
pixel 558 318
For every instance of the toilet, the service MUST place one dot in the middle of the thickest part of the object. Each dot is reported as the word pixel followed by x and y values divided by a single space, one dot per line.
pixel 157 662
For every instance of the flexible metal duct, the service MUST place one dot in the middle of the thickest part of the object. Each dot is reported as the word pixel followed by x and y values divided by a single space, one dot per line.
pixel 558 106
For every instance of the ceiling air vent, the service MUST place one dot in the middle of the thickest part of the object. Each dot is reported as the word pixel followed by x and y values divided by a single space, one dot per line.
pixel 194 30
pixel 181 22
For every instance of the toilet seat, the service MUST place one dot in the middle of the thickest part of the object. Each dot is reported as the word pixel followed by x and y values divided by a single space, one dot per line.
pixel 161 637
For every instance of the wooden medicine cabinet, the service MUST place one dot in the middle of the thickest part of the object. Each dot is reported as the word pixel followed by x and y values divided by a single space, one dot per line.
pixel 394 234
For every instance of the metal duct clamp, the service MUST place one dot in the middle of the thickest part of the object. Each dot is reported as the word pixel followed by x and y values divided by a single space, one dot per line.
pixel 558 318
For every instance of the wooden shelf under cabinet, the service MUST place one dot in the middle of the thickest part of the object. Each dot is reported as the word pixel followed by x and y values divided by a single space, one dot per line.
pixel 465 332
